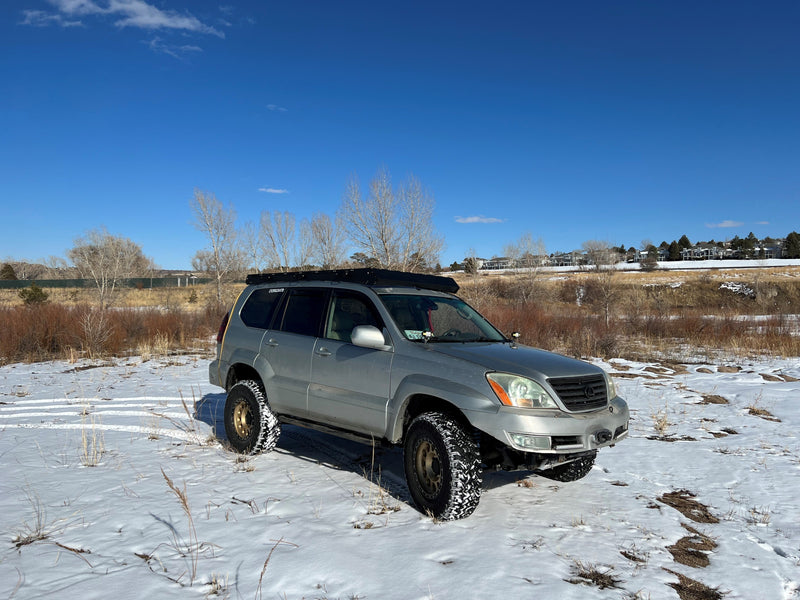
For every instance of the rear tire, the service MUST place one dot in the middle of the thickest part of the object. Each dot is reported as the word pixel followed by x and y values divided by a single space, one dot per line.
pixel 250 424
pixel 571 471
pixel 442 467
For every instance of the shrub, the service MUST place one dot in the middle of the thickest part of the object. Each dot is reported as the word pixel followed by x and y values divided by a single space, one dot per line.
pixel 33 295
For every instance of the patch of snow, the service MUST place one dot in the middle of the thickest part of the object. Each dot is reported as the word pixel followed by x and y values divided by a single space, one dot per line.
pixel 323 517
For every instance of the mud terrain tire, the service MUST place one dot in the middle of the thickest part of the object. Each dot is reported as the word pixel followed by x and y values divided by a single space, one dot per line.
pixel 250 424
pixel 572 471
pixel 442 467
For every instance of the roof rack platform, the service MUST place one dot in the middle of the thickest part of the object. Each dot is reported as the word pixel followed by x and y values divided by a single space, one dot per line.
pixel 370 277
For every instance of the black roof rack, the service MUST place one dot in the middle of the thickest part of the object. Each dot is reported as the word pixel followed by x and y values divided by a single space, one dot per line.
pixel 371 277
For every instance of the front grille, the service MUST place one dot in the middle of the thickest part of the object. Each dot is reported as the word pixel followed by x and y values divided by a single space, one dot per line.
pixel 581 393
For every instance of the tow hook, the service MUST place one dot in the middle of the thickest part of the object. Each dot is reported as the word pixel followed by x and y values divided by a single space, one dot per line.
pixel 603 436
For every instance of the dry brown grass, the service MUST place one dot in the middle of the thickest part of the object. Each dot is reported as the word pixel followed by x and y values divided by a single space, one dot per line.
pixel 645 316
pixel 58 331
pixel 664 315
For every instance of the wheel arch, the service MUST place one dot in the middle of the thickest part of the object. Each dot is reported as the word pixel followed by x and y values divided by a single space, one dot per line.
pixel 417 404
pixel 241 372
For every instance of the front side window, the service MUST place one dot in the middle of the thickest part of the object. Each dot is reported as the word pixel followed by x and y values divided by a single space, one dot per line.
pixel 445 318
pixel 349 310
pixel 303 311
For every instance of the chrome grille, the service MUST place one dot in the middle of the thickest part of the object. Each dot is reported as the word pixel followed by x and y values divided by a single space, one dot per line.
pixel 581 393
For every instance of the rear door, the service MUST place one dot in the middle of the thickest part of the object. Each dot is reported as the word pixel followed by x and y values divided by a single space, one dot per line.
pixel 349 384
pixel 288 348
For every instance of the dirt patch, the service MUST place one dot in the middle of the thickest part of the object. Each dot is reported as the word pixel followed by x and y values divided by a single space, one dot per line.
pixel 632 376
pixel 671 438
pixel 705 370
pixel 728 369
pixel 789 378
pixel 676 368
pixel 691 550
pixel 769 377
pixel 762 413
pixel 684 502
pixel 713 399
pixel 591 575
pixel 726 431
pixel 658 372
pixel 689 589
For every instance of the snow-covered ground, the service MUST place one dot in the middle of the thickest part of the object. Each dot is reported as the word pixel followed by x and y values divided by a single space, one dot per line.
pixel 95 458
pixel 679 265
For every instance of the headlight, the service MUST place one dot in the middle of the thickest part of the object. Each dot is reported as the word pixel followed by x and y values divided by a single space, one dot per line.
pixel 513 390
pixel 612 389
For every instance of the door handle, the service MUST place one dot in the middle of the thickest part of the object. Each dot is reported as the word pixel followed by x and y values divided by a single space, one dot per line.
pixel 323 351
pixel 272 342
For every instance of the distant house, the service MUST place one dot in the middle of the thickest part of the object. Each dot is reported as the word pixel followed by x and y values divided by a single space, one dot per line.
pixel 498 262
pixel 565 259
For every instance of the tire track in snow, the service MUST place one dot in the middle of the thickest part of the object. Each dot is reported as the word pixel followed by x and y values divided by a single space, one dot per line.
pixel 149 414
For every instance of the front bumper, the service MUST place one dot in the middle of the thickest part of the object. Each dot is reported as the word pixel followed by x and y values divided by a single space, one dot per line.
pixel 554 431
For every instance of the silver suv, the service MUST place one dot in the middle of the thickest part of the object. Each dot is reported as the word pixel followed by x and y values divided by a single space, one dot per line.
pixel 378 355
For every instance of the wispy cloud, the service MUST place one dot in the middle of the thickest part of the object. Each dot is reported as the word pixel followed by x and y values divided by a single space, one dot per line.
pixel 129 13
pixel 276 108
pixel 762 222
pixel 40 18
pixel 478 219
pixel 273 190
pixel 176 51
pixel 724 224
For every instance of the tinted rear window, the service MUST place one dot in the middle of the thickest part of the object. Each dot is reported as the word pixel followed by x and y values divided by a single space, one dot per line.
pixel 257 311
pixel 303 313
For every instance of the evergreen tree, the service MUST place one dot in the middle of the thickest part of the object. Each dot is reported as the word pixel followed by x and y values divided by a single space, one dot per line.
pixel 675 250
pixel 7 273
pixel 684 243
pixel 791 246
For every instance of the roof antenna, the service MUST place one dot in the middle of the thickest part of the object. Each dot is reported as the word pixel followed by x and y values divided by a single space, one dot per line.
pixel 426 336
pixel 515 339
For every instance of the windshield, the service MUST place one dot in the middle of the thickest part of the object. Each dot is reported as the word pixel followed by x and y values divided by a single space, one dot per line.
pixel 447 319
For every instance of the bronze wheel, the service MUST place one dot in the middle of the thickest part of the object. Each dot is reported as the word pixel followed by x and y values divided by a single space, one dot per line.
pixel 442 465
pixel 242 419
pixel 250 425
pixel 429 468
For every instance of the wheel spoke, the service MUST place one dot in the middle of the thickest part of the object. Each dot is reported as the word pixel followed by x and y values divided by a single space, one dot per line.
pixel 242 419
pixel 428 465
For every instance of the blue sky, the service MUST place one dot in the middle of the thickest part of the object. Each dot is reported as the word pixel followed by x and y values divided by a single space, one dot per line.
pixel 612 120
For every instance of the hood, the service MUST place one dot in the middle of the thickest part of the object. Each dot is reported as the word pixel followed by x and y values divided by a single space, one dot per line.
pixel 519 360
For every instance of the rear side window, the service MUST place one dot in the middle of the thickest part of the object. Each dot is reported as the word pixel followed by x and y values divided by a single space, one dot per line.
pixel 303 312
pixel 258 310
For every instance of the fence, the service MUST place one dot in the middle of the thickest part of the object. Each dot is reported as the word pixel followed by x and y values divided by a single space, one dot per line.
pixel 133 282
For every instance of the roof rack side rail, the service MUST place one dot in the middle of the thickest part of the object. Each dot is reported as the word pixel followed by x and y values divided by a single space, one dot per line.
pixel 371 277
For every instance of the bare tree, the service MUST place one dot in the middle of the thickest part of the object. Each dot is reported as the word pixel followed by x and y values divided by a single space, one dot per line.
pixel 108 260
pixel 600 254
pixel 252 247
pixel 278 238
pixel 528 256
pixel 303 244
pixel 221 258
pixel 396 229
pixel 327 241
pixel 420 244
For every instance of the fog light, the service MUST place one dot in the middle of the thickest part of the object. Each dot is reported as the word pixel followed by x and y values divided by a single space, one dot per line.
pixel 530 442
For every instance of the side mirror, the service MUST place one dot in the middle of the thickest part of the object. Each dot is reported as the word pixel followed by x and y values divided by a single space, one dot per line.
pixel 368 336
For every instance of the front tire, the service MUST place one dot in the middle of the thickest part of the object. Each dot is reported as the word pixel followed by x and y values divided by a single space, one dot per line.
pixel 571 471
pixel 250 424
pixel 442 467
